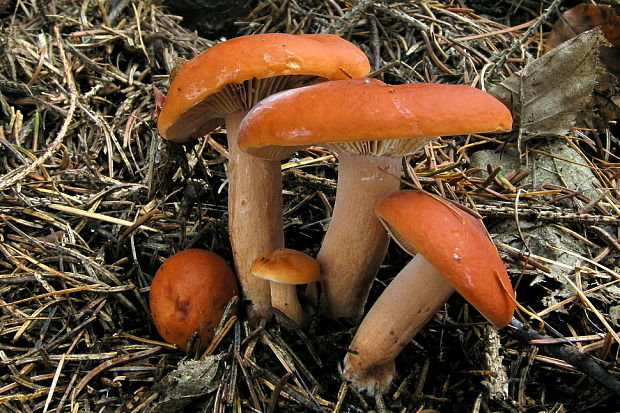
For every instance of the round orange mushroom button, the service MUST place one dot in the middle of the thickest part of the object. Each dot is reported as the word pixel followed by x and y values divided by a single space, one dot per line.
pixel 189 294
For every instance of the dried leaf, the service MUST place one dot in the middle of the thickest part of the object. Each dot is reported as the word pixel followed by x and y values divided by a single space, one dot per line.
pixel 191 379
pixel 585 17
pixel 547 96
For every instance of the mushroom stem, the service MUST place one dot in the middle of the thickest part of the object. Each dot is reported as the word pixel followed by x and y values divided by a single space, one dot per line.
pixel 284 298
pixel 255 215
pixel 395 318
pixel 356 241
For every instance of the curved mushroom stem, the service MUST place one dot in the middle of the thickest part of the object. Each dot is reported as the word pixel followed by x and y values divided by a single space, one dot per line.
pixel 284 298
pixel 255 215
pixel 408 302
pixel 356 241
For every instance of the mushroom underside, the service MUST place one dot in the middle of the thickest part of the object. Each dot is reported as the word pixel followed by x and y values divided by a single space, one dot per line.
pixel 208 114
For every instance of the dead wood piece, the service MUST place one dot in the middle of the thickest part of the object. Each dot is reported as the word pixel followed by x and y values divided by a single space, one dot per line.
pixel 582 362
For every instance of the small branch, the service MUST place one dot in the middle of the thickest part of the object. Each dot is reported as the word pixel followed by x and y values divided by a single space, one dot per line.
pixel 348 19
pixel 500 59
pixel 570 354
pixel 397 14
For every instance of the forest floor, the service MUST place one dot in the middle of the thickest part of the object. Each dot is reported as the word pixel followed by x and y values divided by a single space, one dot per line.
pixel 92 200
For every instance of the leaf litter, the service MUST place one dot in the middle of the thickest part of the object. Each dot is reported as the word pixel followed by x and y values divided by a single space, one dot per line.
pixel 92 200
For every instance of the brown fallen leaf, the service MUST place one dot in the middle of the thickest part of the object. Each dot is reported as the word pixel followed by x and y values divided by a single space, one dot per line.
pixel 584 17
pixel 191 379
pixel 549 94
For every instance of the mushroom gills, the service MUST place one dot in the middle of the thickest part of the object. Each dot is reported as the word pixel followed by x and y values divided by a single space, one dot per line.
pixel 193 123
pixel 399 239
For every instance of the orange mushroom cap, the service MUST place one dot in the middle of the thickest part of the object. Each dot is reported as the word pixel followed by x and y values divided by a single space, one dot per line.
pixel 359 110
pixel 184 115
pixel 286 266
pixel 189 293
pixel 456 244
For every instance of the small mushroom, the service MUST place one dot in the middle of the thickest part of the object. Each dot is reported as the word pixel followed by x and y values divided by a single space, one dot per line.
pixel 189 293
pixel 285 269
pixel 453 252
pixel 370 126
pixel 218 87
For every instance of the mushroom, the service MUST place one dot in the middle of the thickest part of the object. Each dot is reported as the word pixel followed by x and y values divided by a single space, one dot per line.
pixel 370 126
pixel 285 268
pixel 219 86
pixel 189 293
pixel 453 252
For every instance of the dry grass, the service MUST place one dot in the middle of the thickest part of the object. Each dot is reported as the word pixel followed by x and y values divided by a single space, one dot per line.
pixel 92 200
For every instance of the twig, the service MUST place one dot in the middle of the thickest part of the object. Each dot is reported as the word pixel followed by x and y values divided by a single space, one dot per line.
pixel 11 178
pixel 582 362
pixel 107 364
pixel 500 59
pixel 542 213
pixel 390 11
pixel 98 216
pixel 347 20
pixel 276 392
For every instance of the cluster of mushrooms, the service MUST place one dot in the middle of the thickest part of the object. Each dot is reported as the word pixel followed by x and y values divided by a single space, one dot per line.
pixel 279 93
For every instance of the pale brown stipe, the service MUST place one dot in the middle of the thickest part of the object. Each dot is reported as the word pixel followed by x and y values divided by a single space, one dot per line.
pixel 453 252
pixel 285 268
pixel 224 82
pixel 370 126
pixel 188 294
